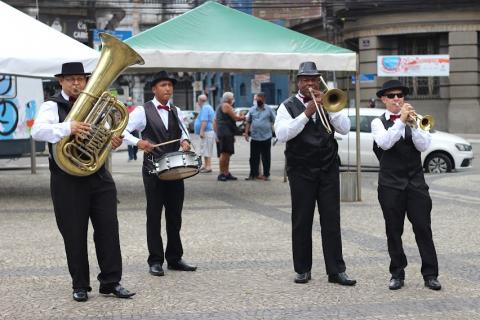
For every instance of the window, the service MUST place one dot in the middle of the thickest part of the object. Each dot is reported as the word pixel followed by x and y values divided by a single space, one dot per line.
pixel 420 87
pixel 243 90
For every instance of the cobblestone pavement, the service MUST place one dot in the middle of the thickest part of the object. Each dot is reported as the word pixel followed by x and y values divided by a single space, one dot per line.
pixel 238 233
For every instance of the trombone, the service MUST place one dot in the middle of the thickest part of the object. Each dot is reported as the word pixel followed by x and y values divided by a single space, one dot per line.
pixel 334 100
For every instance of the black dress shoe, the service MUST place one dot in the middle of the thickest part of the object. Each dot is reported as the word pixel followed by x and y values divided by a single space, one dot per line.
pixel 118 291
pixel 342 279
pixel 433 284
pixel 181 265
pixel 80 295
pixel 303 277
pixel 395 284
pixel 156 270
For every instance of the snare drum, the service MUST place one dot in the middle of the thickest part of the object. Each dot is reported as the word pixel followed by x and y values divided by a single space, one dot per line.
pixel 177 165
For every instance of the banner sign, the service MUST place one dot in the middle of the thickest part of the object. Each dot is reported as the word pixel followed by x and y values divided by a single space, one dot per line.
pixel 120 34
pixel 414 66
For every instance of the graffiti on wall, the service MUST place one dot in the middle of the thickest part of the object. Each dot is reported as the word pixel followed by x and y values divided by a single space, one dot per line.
pixel 17 111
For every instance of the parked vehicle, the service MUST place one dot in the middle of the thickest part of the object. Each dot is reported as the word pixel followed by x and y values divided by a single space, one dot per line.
pixel 447 152
pixel 189 117
pixel 241 124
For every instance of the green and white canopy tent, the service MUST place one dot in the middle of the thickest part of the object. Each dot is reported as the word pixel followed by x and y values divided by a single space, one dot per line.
pixel 215 37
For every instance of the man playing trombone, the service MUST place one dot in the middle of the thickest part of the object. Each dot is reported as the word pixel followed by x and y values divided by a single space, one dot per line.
pixel 402 189
pixel 313 173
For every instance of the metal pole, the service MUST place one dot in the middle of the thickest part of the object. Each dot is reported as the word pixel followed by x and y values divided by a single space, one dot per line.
pixel 33 159
pixel 357 120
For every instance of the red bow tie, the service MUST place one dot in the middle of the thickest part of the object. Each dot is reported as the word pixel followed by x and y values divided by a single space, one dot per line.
pixel 72 99
pixel 394 117
pixel 163 107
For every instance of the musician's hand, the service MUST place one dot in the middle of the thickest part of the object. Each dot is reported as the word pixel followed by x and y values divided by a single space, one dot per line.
pixel 202 134
pixel 80 128
pixel 310 109
pixel 185 144
pixel 246 136
pixel 405 112
pixel 116 142
pixel 145 145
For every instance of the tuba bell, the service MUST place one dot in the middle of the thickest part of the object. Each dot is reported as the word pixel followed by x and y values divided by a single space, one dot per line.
pixel 83 155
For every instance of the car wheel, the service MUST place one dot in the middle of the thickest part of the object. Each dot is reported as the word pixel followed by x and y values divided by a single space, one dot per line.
pixel 438 163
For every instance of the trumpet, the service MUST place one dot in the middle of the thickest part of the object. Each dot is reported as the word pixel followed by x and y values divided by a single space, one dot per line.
pixel 425 122
pixel 334 101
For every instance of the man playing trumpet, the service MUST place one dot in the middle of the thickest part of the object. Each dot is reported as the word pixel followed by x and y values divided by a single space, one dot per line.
pixel 402 189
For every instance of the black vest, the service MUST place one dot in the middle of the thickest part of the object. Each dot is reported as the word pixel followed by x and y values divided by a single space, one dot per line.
pixel 313 147
pixel 155 132
pixel 400 165
pixel 64 107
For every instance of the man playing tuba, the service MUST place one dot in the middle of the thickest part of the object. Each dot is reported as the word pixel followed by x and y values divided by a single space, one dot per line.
pixel 78 199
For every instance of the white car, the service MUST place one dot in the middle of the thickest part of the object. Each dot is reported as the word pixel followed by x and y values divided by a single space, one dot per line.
pixel 447 152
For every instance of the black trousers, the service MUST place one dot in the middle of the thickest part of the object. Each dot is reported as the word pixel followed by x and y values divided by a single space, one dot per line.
pixel 260 149
pixel 75 201
pixel 323 190
pixel 160 194
pixel 417 205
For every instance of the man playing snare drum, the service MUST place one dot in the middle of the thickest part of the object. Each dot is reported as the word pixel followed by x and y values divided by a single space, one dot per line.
pixel 158 122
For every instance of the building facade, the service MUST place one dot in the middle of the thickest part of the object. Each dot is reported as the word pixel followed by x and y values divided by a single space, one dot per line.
pixel 414 28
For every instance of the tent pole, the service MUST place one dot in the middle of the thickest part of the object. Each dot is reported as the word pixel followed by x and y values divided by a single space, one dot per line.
pixel 357 120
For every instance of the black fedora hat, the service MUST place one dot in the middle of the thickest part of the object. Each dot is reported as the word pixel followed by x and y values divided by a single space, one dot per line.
pixel 308 68
pixel 390 85
pixel 72 68
pixel 162 75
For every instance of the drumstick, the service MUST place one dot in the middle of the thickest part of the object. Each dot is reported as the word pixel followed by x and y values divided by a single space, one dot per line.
pixel 164 143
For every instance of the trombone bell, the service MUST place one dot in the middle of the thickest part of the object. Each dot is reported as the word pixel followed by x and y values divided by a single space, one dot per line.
pixel 334 100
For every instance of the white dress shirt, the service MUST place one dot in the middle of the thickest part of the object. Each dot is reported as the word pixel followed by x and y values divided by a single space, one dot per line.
pixel 138 121
pixel 46 126
pixel 385 139
pixel 287 128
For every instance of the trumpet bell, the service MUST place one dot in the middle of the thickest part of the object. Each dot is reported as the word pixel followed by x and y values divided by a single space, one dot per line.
pixel 334 100
pixel 427 122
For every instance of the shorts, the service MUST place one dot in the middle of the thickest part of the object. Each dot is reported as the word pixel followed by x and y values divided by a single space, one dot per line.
pixel 206 144
pixel 226 144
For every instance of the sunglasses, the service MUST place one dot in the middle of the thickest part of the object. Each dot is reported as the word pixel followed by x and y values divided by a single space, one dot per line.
pixel 392 95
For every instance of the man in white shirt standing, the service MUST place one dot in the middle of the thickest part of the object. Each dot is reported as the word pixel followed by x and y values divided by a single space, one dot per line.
pixel 313 173
pixel 402 189
pixel 78 199
pixel 158 121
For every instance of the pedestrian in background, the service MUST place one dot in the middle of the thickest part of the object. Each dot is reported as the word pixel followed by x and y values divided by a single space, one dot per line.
pixel 132 149
pixel 225 127
pixel 259 122
pixel 204 129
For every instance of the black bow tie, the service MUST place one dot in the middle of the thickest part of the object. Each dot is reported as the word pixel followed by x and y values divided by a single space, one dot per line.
pixel 72 99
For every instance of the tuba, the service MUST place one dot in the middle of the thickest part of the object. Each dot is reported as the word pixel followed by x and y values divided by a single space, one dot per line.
pixel 83 155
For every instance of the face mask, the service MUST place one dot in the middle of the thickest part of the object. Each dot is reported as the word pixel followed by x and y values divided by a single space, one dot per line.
pixel 129 103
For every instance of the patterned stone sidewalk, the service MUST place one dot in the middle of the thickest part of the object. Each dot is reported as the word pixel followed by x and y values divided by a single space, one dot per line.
pixel 238 233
